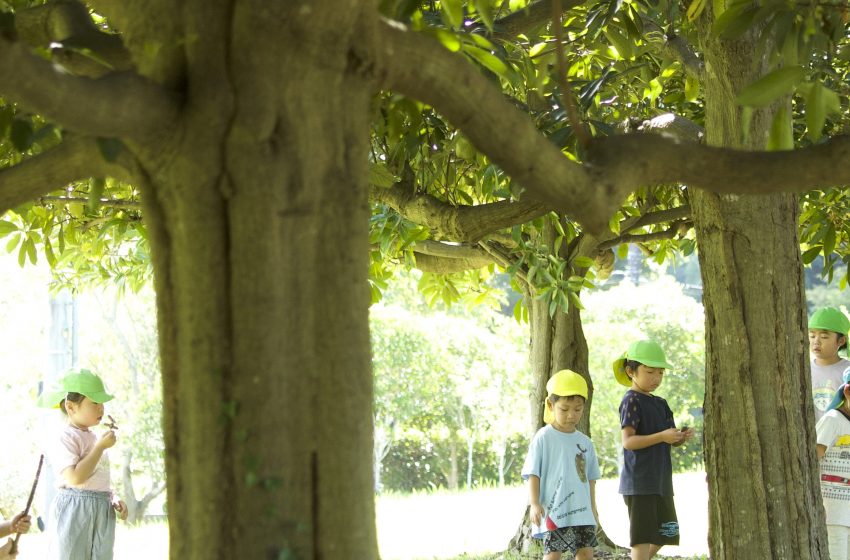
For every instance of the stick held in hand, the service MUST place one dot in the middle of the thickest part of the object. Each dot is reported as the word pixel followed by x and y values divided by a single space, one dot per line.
pixel 14 549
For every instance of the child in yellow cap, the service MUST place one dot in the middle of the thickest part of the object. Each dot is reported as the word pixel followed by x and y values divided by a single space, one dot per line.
pixel 81 522
pixel 648 431
pixel 833 437
pixel 562 469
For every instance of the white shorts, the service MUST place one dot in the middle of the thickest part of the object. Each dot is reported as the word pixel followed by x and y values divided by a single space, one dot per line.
pixel 839 542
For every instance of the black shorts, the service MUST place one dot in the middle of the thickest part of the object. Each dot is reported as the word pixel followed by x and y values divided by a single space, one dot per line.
pixel 570 539
pixel 652 519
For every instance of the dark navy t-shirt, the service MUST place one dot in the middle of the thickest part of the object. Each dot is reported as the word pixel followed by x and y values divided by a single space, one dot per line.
pixel 648 470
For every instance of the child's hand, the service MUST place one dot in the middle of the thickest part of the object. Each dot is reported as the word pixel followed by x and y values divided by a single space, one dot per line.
pixel 536 514
pixel 121 509
pixel 107 440
pixel 20 523
pixel 4 551
pixel 672 436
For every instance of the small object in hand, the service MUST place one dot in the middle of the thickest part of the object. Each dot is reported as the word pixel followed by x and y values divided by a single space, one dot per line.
pixel 684 429
pixel 111 424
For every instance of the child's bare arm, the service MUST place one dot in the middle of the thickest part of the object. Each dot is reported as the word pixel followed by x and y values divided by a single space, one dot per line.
pixel 593 500
pixel 821 451
pixel 536 510
pixel 633 441
pixel 83 470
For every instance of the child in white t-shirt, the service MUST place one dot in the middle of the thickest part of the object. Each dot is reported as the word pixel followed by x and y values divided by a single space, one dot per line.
pixel 833 437
pixel 562 469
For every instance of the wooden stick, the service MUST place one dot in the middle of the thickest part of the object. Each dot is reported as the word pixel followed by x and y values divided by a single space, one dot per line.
pixel 14 549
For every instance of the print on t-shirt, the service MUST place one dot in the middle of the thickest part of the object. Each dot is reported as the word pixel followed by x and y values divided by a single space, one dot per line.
pixel 835 471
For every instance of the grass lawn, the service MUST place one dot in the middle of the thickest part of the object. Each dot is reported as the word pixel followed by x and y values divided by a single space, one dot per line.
pixel 451 525
pixel 442 525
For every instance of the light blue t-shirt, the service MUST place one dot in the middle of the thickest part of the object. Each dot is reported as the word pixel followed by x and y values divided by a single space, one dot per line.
pixel 564 462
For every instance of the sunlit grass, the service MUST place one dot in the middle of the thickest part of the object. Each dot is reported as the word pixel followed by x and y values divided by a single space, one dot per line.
pixel 475 525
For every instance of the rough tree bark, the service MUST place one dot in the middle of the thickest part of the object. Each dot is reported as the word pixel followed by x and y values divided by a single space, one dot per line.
pixel 258 230
pixel 759 443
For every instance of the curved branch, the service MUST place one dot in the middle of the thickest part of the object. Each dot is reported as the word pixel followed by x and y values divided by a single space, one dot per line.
pixel 445 260
pixel 633 160
pixel 121 104
pixel 675 47
pixel 467 224
pixel 419 67
pixel 529 18
pixel 72 160
pixel 65 26
pixel 669 233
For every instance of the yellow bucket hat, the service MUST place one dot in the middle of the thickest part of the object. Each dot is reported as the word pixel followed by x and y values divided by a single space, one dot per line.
pixel 565 383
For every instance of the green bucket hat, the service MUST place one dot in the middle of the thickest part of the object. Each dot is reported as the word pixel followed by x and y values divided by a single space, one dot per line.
pixel 80 381
pixel 647 352
pixel 830 319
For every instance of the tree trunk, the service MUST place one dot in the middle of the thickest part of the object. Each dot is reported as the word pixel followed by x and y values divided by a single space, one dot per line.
pixel 759 443
pixel 259 237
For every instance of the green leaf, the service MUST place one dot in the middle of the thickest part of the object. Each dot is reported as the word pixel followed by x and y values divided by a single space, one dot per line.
pixel 22 253
pixel 781 131
pixel 380 176
pixel 771 87
pixel 485 10
pixel 810 254
pixel 30 245
pixel 453 10
pixel 13 242
pixel 734 21
pixel 6 228
pixel 489 61
pixel 448 39
pixel 695 9
pixel 582 262
pixel 829 240
pixel 815 111
pixel 691 88
pixel 97 187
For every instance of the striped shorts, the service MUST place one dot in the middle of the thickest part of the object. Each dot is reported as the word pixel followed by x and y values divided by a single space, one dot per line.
pixel 81 525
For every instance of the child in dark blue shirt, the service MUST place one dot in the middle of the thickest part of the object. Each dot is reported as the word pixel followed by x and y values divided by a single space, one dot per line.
pixel 648 431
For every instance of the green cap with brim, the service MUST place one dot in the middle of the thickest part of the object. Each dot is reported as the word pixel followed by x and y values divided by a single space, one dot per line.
pixel 830 319
pixel 647 352
pixel 80 381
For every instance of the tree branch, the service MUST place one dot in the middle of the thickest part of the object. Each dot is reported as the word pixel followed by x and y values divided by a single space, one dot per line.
pixel 633 160
pixel 66 27
pixel 419 67
pixel 120 105
pixel 72 160
pixel 532 16
pixel 102 202
pixel 669 233
pixel 675 47
pixel 467 224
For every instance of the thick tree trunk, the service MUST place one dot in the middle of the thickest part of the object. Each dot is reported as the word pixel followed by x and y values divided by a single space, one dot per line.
pixel 759 444
pixel 259 235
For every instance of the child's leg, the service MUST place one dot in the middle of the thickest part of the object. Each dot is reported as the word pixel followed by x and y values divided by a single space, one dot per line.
pixel 584 553
pixel 839 542
pixel 645 551
pixel 552 556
